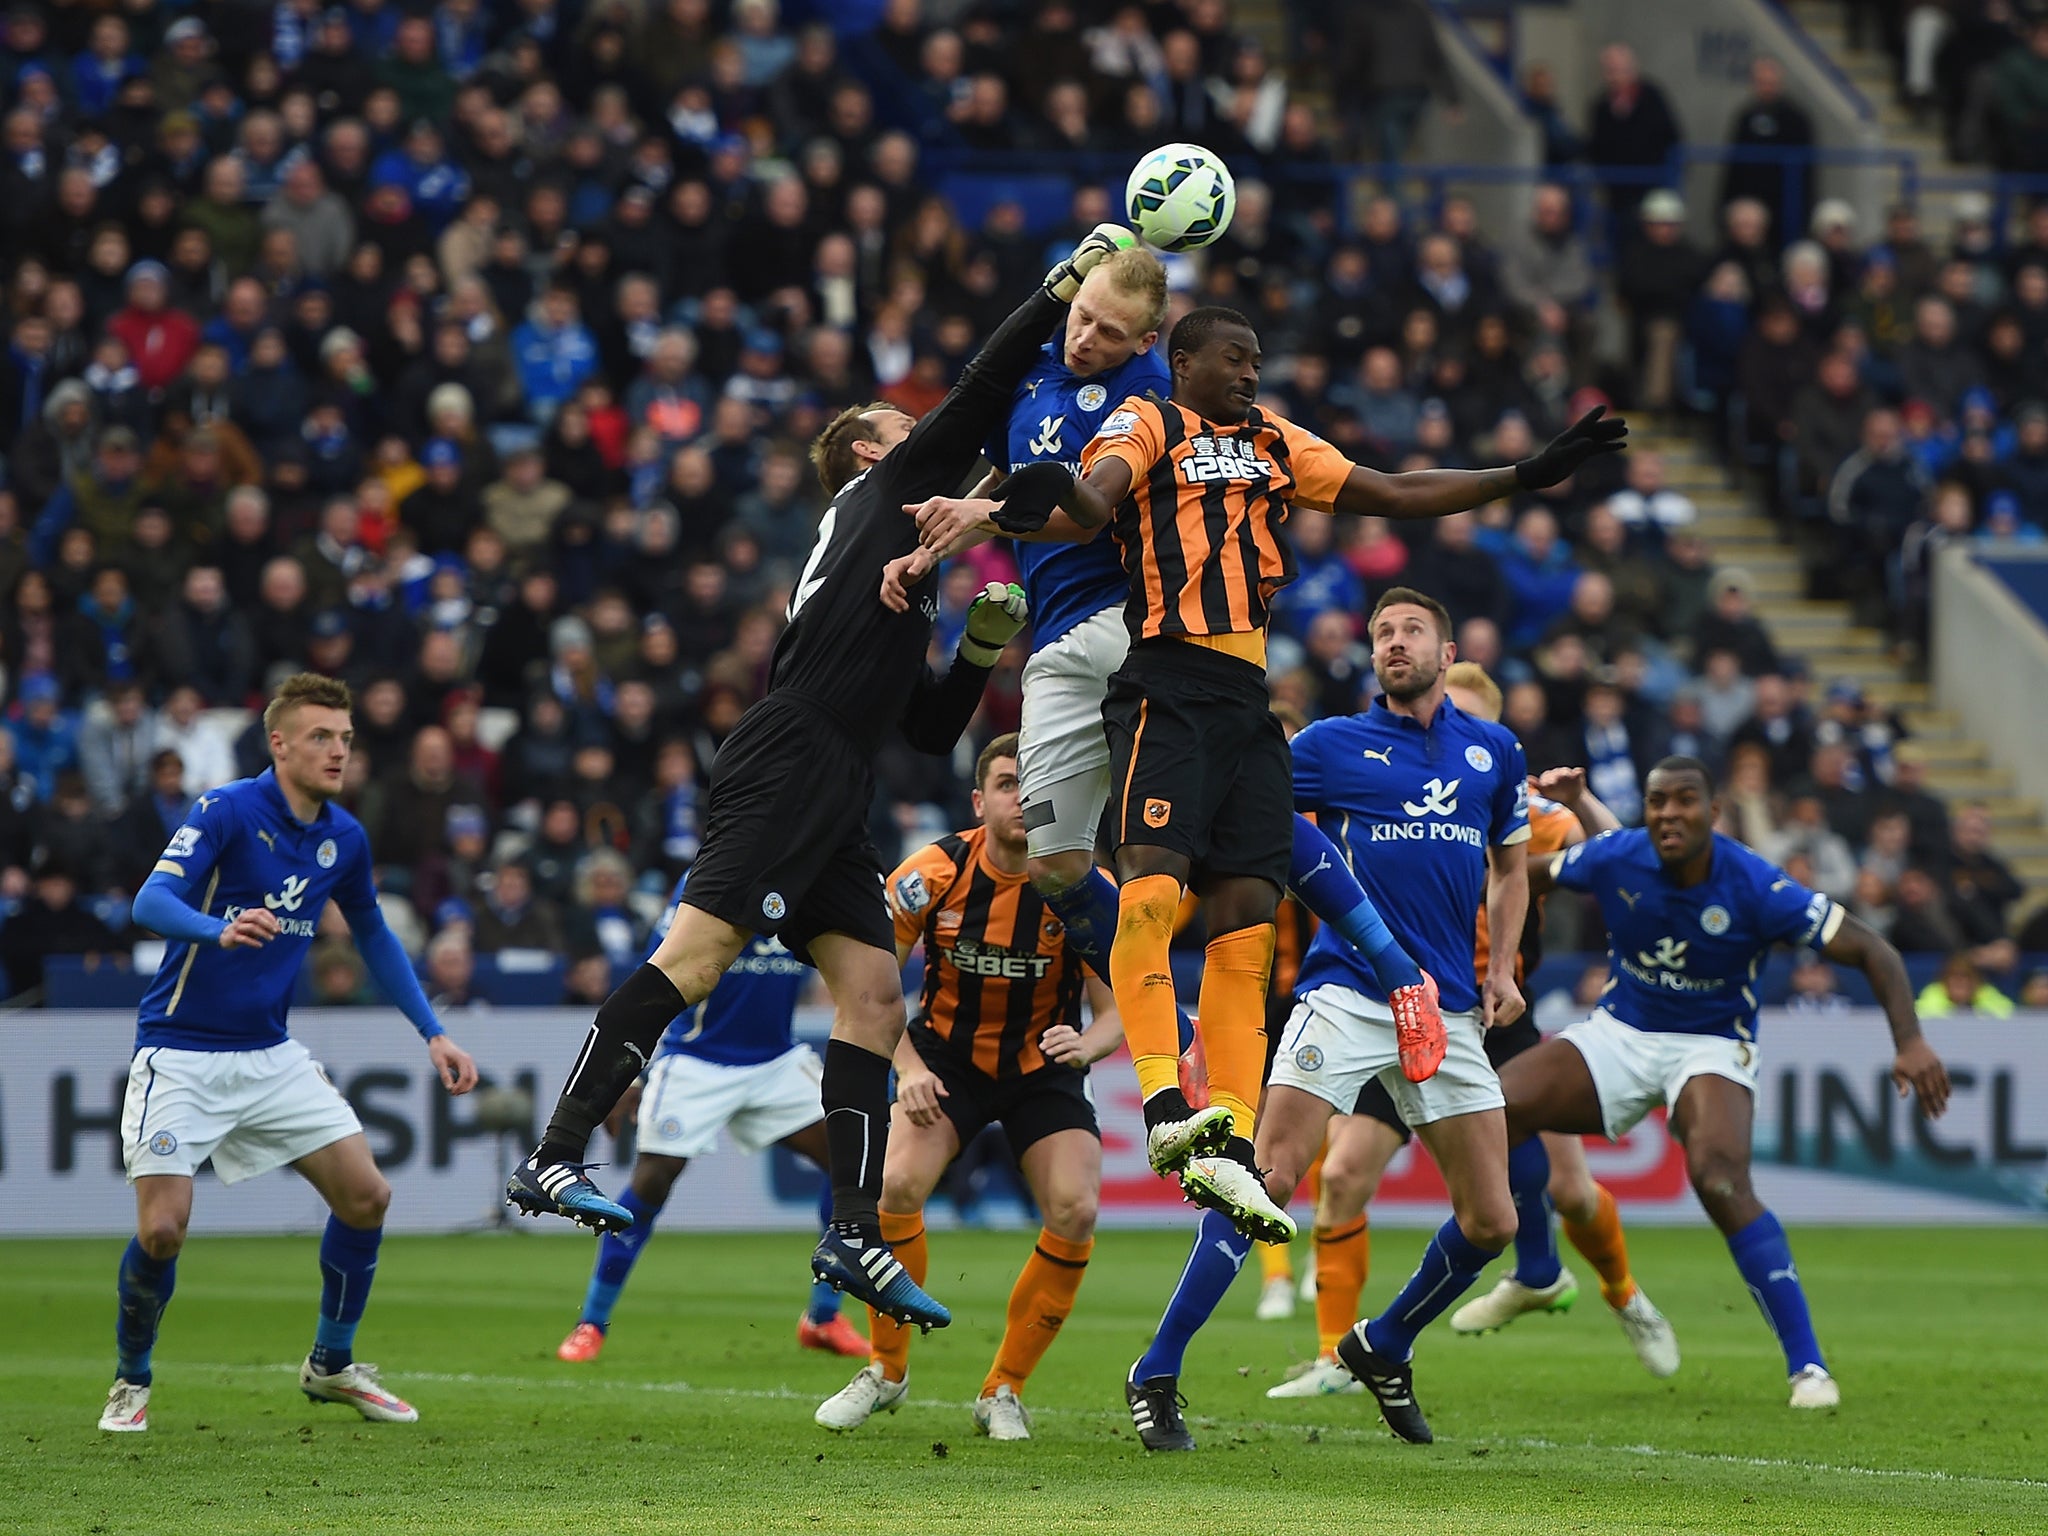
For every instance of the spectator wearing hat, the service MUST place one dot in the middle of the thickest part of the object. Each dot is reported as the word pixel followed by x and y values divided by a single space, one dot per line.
pixel 103 500
pixel 442 512
pixel 160 340
pixel 185 69
pixel 50 921
pixel 45 733
pixel 1659 272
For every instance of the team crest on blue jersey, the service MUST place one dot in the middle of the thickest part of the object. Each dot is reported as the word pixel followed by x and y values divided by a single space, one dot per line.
pixel 1480 759
pixel 327 854
pixel 163 1143
pixel 773 907
pixel 1309 1058
pixel 1715 920
pixel 1091 397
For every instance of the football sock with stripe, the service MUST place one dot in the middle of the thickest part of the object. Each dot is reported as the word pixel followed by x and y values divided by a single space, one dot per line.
pixel 348 1263
pixel 1232 1007
pixel 621 1042
pixel 1141 976
pixel 1450 1264
pixel 1536 1263
pixel 1326 886
pixel 1606 1249
pixel 617 1253
pixel 1088 912
pixel 144 1289
pixel 1764 1256
pixel 889 1340
pixel 1342 1255
pixel 855 1095
pixel 825 1301
pixel 1219 1253
pixel 1274 1264
pixel 1039 1303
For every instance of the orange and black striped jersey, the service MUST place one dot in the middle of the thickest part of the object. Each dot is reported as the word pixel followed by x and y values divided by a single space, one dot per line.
pixel 997 971
pixel 1200 529
pixel 1550 831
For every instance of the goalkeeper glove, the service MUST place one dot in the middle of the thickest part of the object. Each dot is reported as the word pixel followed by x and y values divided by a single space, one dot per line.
pixel 993 619
pixel 1580 441
pixel 1064 280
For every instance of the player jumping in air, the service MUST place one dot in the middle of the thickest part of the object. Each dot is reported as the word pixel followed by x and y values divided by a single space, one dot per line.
pixel 730 1064
pixel 1690 917
pixel 1427 804
pixel 238 893
pixel 1079 590
pixel 997 1037
pixel 786 848
pixel 1195 489
pixel 1362 1143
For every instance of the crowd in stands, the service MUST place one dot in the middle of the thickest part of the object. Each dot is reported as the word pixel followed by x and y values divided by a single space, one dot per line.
pixel 469 354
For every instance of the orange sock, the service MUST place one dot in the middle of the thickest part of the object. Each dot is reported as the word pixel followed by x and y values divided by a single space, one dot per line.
pixel 1274 1264
pixel 1039 1303
pixel 1235 971
pixel 1341 1259
pixel 1600 1240
pixel 1141 976
pixel 889 1340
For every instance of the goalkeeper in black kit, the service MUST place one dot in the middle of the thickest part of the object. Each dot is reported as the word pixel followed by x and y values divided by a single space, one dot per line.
pixel 786 847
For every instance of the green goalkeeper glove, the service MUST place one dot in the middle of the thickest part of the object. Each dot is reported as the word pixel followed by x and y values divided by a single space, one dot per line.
pixel 995 616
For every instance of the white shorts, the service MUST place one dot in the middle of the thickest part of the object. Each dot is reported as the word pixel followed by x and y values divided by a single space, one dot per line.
pixel 1062 753
pixel 1337 1039
pixel 250 1111
pixel 688 1101
pixel 1635 1070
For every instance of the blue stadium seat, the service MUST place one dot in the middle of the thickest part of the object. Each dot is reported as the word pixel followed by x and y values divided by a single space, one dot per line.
pixel 72 981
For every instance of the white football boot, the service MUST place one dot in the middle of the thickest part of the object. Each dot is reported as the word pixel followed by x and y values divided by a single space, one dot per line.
pixel 1510 1299
pixel 1276 1300
pixel 1649 1334
pixel 1323 1376
pixel 1002 1415
pixel 856 1402
pixel 356 1384
pixel 1815 1388
pixel 127 1410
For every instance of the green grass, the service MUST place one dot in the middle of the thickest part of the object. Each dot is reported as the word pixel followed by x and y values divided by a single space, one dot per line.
pixel 698 1417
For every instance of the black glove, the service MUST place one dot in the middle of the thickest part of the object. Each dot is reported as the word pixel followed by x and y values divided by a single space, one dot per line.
pixel 1565 453
pixel 1029 496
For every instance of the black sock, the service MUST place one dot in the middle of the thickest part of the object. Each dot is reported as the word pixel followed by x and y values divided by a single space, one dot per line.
pixel 1240 1151
pixel 1167 1106
pixel 622 1038
pixel 856 1100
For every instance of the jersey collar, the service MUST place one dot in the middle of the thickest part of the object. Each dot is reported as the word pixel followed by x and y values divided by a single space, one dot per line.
pixel 267 785
pixel 1444 712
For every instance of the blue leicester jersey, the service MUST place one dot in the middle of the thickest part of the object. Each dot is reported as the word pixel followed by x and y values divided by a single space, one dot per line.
pixel 1414 811
pixel 1684 959
pixel 241 847
pixel 747 1018
pixel 1053 417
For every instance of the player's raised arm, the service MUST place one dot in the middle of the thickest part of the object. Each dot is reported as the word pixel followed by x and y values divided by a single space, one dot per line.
pixel 940 708
pixel 1440 492
pixel 1914 1064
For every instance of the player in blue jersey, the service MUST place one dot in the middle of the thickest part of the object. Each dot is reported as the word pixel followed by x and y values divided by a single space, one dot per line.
pixel 1691 916
pixel 1428 807
pixel 238 893
pixel 732 1063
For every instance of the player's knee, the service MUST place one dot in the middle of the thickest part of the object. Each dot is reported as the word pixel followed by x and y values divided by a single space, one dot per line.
pixel 1057 872
pixel 902 1194
pixel 1070 1213
pixel 365 1205
pixel 1576 1198
pixel 1489 1223
pixel 1719 1177
pixel 161 1236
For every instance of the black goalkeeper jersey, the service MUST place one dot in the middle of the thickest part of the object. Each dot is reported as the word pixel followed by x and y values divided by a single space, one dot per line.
pixel 843 650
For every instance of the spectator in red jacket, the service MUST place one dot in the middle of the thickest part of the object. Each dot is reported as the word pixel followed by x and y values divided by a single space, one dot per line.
pixel 160 340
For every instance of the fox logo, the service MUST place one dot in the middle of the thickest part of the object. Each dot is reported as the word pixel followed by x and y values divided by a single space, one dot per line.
pixel 1438 799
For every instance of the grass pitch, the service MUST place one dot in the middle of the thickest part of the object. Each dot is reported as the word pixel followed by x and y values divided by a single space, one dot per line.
pixel 698 1416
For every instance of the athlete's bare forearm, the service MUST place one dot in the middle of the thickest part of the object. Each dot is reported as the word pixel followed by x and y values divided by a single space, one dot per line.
pixel 1424 492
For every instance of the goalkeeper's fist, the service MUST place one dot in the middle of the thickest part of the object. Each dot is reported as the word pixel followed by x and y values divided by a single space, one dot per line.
pixel 1104 240
pixel 995 616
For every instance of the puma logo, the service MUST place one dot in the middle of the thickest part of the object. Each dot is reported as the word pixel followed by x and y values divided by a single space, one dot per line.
pixel 1630 898
pixel 204 801
pixel 1236 1259
pixel 1321 864
pixel 1379 755
pixel 269 841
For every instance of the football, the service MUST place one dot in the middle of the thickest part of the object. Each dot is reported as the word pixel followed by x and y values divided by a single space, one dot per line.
pixel 1180 197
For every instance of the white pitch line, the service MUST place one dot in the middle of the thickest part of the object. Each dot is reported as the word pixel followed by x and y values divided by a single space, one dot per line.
pixel 1341 1431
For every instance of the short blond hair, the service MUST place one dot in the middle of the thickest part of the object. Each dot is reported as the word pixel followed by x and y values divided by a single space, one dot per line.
pixel 832 454
pixel 306 688
pixel 1471 677
pixel 1142 275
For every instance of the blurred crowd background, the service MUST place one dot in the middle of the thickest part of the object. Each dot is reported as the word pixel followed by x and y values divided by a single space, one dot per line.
pixel 469 353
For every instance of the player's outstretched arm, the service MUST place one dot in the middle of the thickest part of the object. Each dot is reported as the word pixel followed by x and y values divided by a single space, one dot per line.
pixel 940 708
pixel 1326 886
pixel 385 958
pixel 1914 1064
pixel 1440 492
pixel 164 906
pixel 1567 786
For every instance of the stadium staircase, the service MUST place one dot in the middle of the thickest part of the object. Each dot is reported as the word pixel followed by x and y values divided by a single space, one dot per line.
pixel 1823 634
